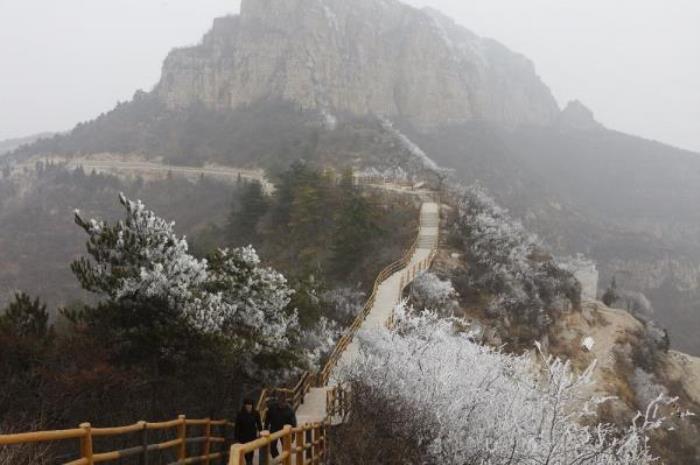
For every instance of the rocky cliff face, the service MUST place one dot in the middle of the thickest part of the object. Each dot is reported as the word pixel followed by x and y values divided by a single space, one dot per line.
pixel 362 57
pixel 578 116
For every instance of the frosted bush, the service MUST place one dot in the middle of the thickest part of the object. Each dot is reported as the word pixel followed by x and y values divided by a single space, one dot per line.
pixel 320 340
pixel 637 304
pixel 483 406
pixel 508 262
pixel 430 292
pixel 343 304
pixel 645 387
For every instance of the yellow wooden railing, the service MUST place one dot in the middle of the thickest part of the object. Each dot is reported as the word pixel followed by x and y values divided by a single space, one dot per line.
pixel 337 403
pixel 305 445
pixel 86 435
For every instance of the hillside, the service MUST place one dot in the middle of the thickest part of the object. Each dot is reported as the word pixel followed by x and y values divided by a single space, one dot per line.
pixel 317 80
pixel 9 145
pixel 628 203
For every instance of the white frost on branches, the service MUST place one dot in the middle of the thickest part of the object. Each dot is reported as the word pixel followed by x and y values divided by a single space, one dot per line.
pixel 430 292
pixel 248 299
pixel 141 258
pixel 507 261
pixel 488 407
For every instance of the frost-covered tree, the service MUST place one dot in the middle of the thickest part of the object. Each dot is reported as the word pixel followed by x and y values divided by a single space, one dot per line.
pixel 424 392
pixel 247 302
pixel 140 258
pixel 428 291
pixel 343 304
pixel 156 291
pixel 508 262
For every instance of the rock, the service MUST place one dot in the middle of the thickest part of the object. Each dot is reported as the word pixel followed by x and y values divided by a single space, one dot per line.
pixel 365 57
pixel 578 116
pixel 587 344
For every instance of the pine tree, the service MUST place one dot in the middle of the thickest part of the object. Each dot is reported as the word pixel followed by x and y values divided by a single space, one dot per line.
pixel 611 295
pixel 25 317
pixel 244 218
pixel 354 231
pixel 157 296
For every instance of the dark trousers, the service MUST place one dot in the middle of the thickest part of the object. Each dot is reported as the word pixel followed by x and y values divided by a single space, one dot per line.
pixel 274 451
pixel 249 458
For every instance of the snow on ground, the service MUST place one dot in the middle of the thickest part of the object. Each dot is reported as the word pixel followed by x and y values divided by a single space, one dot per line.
pixel 409 145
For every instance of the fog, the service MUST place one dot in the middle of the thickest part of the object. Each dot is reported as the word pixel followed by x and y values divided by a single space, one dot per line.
pixel 634 62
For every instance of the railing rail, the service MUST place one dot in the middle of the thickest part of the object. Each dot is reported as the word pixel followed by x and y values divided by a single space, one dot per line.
pixel 337 403
pixel 323 376
pixel 305 445
pixel 86 435
pixel 351 332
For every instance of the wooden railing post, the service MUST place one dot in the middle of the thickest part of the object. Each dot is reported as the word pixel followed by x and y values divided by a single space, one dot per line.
pixel 299 447
pixel 310 442
pixel 287 444
pixel 144 444
pixel 225 445
pixel 237 455
pixel 314 444
pixel 86 444
pixel 324 444
pixel 207 441
pixel 182 436
pixel 264 457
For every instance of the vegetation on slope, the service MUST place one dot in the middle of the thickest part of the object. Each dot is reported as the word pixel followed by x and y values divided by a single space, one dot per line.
pixel 155 335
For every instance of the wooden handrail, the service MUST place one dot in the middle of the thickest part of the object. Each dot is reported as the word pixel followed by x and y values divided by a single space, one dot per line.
pixel 86 433
pixel 349 335
pixel 323 376
pixel 294 446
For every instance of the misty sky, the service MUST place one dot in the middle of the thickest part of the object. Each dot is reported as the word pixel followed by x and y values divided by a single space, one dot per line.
pixel 636 63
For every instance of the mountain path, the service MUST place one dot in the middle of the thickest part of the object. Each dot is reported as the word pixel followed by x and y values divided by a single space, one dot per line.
pixel 313 409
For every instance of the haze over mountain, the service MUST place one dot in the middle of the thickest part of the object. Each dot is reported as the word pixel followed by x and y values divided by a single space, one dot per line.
pixel 320 79
pixel 9 145
pixel 364 58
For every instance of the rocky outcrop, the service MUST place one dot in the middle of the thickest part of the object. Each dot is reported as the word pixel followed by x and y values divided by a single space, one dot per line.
pixel 363 57
pixel 578 116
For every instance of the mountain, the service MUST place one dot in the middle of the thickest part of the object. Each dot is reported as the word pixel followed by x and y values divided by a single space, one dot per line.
pixel 8 145
pixel 372 83
pixel 628 203
pixel 364 57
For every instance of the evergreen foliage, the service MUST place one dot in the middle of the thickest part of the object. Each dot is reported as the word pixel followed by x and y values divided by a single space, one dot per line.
pixel 25 318
pixel 611 295
pixel 140 265
pixel 509 263
pixel 245 215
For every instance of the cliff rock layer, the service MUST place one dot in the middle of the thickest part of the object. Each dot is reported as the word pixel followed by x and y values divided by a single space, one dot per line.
pixel 361 57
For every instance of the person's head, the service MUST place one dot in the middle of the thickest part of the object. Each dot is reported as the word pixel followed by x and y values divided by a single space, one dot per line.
pixel 248 405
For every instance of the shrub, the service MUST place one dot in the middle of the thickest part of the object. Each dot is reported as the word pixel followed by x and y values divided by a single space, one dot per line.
pixel 447 400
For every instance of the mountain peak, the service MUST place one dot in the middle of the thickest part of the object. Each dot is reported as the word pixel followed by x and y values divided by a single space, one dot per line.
pixel 365 57
pixel 576 115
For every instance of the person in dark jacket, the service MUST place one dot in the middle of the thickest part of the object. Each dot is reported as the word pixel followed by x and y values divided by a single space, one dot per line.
pixel 279 414
pixel 248 426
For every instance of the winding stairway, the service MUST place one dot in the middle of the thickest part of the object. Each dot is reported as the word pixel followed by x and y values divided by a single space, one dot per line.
pixel 313 408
